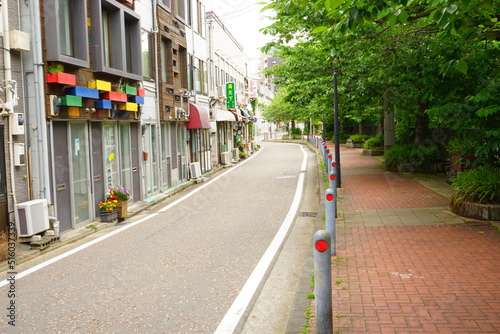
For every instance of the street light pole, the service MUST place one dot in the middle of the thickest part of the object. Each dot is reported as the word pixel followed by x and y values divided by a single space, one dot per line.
pixel 336 127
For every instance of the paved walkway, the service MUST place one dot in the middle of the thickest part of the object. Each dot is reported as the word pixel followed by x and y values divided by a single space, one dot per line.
pixel 405 263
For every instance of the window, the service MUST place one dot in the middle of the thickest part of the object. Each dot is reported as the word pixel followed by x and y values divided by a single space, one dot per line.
pixel 200 17
pixel 166 3
pixel 191 71
pixel 180 9
pixel 183 68
pixel 147 55
pixel 119 50
pixel 166 60
pixel 66 33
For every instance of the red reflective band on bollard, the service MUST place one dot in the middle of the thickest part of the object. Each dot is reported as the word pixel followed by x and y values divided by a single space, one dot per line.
pixel 329 197
pixel 334 164
pixel 332 177
pixel 329 156
pixel 321 246
pixel 327 150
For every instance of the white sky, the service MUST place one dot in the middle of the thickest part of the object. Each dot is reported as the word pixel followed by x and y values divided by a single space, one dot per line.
pixel 243 19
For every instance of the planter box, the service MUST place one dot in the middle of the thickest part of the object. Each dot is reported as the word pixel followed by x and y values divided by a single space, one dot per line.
pixel 128 106
pixel 73 111
pixel 103 104
pixel 136 99
pixel 478 211
pixel 61 78
pixel 375 152
pixel 141 92
pixel 108 216
pixel 129 90
pixel 100 85
pixel 354 144
pixel 86 92
pixel 462 162
pixel 71 101
pixel 114 96
pixel 432 168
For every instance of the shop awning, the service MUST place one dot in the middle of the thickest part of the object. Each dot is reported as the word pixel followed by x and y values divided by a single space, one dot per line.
pixel 224 116
pixel 245 114
pixel 198 117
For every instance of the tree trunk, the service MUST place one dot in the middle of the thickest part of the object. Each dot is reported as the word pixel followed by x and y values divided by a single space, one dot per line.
pixel 422 125
pixel 388 123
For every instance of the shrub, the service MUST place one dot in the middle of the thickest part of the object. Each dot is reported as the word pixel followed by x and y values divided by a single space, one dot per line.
pixel 480 185
pixel 359 137
pixel 377 141
pixel 411 154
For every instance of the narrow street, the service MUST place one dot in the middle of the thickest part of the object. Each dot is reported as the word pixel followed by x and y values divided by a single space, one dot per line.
pixel 197 263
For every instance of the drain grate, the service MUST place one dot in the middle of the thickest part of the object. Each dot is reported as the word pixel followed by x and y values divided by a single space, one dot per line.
pixel 308 214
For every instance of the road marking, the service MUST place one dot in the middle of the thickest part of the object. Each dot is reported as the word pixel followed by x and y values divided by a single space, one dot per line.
pixel 240 304
pixel 124 228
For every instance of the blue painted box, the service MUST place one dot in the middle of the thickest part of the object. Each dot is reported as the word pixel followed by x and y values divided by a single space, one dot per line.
pixel 103 104
pixel 90 93
pixel 136 99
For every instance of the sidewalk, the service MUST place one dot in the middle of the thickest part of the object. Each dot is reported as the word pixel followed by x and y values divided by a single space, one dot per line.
pixel 405 263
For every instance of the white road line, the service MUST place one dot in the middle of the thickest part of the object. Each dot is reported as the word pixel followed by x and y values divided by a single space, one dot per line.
pixel 240 304
pixel 124 228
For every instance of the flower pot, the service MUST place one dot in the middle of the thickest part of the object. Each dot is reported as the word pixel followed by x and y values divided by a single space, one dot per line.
pixel 122 209
pixel 108 216
pixel 461 162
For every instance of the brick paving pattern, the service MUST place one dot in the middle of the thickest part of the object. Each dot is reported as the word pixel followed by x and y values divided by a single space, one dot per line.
pixel 421 272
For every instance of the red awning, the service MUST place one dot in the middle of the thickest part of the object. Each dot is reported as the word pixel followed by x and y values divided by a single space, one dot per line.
pixel 198 118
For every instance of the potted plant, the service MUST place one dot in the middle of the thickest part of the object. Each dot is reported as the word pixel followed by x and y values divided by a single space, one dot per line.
pixel 108 210
pixel 121 195
pixel 462 153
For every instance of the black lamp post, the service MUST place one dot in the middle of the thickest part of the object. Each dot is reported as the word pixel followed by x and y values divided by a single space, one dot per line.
pixel 336 125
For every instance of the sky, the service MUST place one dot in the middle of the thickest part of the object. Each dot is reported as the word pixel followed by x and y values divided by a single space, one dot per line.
pixel 243 19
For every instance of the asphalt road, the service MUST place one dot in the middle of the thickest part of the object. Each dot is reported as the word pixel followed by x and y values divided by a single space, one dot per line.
pixel 225 256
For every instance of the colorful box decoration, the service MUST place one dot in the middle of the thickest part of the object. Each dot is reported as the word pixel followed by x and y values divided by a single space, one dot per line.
pixel 103 104
pixel 128 106
pixel 141 92
pixel 114 96
pixel 61 78
pixel 136 99
pixel 100 85
pixel 89 93
pixel 129 90
pixel 73 111
pixel 71 101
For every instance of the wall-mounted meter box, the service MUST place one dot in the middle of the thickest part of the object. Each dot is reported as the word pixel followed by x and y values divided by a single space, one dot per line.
pixel 19 156
pixel 17 125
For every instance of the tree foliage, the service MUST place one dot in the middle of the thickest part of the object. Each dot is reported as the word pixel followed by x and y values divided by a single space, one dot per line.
pixel 422 59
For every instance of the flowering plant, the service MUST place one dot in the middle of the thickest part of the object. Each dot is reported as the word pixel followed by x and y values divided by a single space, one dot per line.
pixel 119 194
pixel 109 205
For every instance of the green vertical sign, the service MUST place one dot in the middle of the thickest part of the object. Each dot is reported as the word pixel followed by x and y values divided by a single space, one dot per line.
pixel 230 97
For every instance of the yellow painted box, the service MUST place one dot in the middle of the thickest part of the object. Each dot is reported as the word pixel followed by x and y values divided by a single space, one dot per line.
pixel 100 84
pixel 129 106
pixel 73 111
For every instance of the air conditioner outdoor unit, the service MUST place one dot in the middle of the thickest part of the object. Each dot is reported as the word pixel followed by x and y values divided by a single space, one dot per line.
pixel 226 158
pixel 236 154
pixel 32 217
pixel 195 170
pixel 221 91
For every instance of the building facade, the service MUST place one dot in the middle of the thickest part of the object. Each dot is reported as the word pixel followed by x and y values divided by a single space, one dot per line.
pixel 118 94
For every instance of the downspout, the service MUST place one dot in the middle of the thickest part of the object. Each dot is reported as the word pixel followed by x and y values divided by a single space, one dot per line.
pixel 41 129
pixel 8 94
pixel 159 132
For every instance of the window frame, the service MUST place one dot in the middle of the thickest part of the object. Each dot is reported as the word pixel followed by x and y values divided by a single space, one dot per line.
pixel 79 34
pixel 125 29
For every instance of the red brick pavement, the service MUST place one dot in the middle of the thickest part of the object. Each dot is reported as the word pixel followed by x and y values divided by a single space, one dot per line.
pixel 417 279
pixel 385 191
pixel 410 279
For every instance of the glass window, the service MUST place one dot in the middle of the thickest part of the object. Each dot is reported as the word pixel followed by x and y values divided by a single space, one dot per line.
pixel 126 161
pixel 201 16
pixel 106 39
pixel 65 27
pixel 164 59
pixel 147 55
pixel 180 9
pixel 66 35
